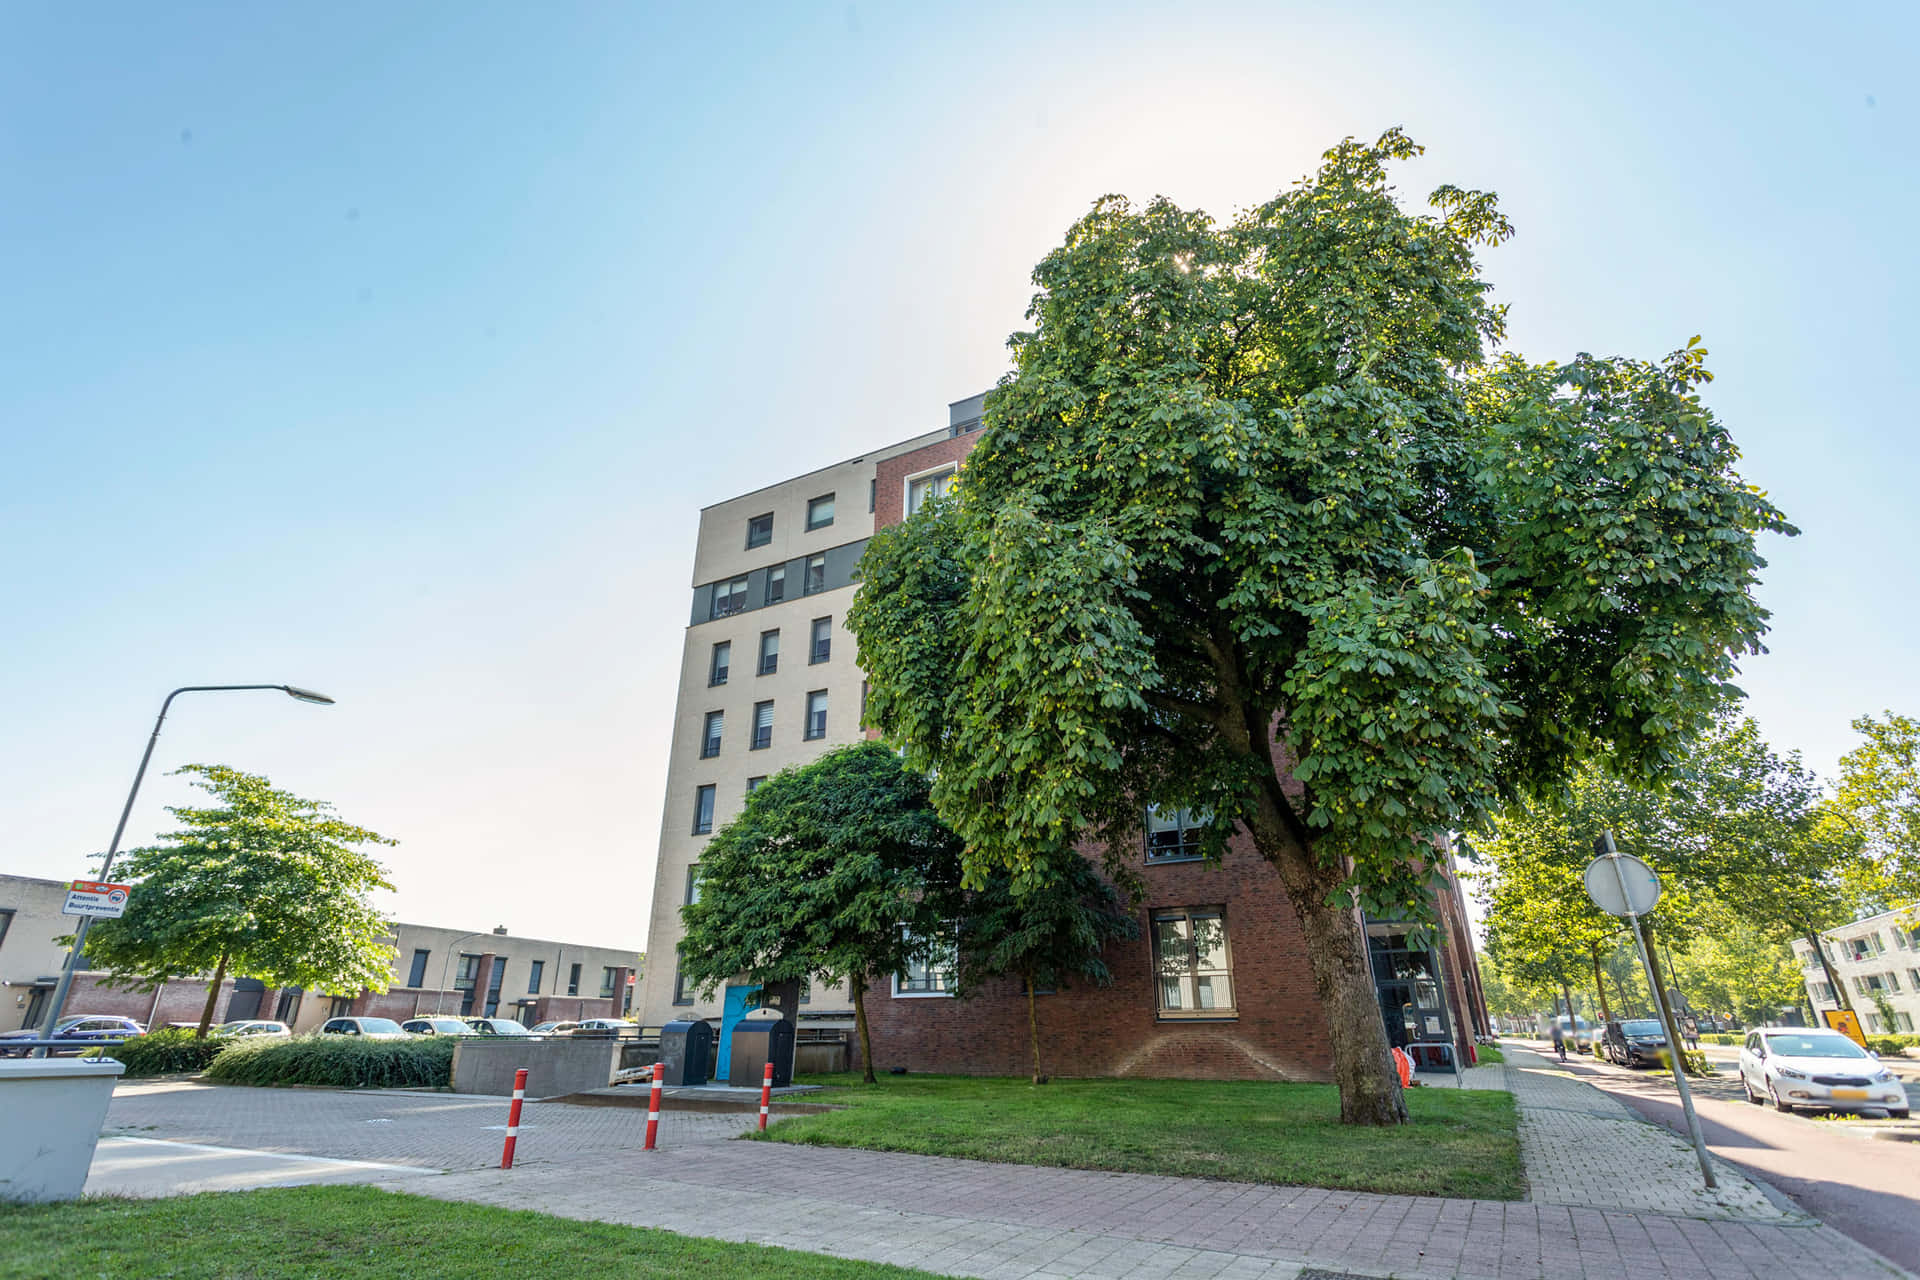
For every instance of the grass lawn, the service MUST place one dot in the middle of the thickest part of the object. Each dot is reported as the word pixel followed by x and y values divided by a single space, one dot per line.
pixel 1462 1142
pixel 1488 1055
pixel 353 1233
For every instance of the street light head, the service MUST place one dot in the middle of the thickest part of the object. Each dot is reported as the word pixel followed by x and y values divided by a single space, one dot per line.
pixel 307 695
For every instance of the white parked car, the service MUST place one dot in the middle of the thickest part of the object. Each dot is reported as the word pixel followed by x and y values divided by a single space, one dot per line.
pixel 254 1027
pixel 371 1028
pixel 1816 1068
pixel 436 1026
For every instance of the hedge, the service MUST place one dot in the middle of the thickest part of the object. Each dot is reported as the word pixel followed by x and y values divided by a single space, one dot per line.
pixel 166 1052
pixel 340 1062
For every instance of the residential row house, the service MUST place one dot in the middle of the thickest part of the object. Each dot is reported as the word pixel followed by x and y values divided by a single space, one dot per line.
pixel 1878 960
pixel 1217 984
pixel 435 970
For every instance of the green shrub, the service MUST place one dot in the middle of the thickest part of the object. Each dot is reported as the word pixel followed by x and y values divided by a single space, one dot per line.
pixel 1723 1037
pixel 340 1062
pixel 1892 1044
pixel 166 1052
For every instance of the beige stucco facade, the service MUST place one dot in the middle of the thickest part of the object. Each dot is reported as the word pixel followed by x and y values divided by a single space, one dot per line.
pixel 722 554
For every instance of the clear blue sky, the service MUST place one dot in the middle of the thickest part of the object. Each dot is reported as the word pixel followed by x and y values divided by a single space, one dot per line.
pixel 392 349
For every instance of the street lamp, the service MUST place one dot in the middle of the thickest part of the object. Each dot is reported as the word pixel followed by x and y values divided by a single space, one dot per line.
pixel 106 867
pixel 441 996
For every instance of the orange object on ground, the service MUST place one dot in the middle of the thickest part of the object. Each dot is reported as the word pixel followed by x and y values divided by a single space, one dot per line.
pixel 1404 1064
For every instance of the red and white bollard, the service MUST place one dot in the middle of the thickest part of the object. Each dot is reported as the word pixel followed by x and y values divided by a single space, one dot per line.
pixel 653 1104
pixel 766 1094
pixel 513 1117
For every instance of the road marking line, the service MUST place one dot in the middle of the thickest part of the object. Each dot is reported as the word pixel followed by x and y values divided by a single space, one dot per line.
pixel 270 1155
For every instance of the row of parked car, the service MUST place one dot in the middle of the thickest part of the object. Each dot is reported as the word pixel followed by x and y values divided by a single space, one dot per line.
pixel 447 1025
pixel 86 1029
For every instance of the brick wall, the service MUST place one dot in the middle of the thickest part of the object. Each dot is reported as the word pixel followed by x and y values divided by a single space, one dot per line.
pixel 1279 1031
pixel 890 476
pixel 179 1001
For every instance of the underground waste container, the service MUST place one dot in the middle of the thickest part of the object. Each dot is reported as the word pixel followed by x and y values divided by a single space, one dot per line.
pixel 686 1051
pixel 761 1037
pixel 51 1110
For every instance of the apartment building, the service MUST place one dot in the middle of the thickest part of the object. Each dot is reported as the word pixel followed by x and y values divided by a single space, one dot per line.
pixel 435 969
pixel 1878 959
pixel 1218 983
pixel 768 674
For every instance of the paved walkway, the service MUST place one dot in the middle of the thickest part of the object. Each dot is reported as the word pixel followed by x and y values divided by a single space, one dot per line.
pixel 1011 1222
pixel 1583 1147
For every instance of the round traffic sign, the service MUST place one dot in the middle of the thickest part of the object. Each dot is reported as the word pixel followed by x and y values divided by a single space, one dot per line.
pixel 1605 877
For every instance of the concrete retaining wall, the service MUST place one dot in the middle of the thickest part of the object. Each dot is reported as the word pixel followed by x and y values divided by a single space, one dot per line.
pixel 554 1067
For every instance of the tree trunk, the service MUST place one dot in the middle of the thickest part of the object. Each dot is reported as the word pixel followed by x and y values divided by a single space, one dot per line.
pixel 1833 979
pixel 213 997
pixel 1033 1028
pixel 1675 1045
pixel 1606 1014
pixel 859 987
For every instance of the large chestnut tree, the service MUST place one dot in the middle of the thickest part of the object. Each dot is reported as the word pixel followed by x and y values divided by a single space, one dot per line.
pixel 1259 526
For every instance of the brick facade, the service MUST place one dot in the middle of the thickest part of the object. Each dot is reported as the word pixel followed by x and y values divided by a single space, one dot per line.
pixel 1279 1031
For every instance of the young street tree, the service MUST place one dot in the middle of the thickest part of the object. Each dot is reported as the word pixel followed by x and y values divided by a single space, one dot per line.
pixel 266 885
pixel 1256 527
pixel 835 870
pixel 1051 936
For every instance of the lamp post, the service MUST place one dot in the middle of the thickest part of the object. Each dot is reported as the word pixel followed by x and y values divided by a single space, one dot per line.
pixel 59 1000
pixel 453 949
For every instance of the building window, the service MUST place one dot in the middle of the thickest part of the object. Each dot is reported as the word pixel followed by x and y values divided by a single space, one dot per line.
pixel 703 810
pixel 465 978
pixel 873 494
pixel 693 884
pixel 933 486
pixel 417 972
pixel 1915 975
pixel 816 715
pixel 1192 964
pixel 607 976
pixel 729 597
pixel 759 531
pixel 1903 1022
pixel 753 784
pixel 710 736
pixel 680 995
pixel 819 512
pixel 1174 835
pixel 931 974
pixel 535 971
pixel 493 985
pixel 769 652
pixel 776 584
pixel 1824 991
pixel 822 647
pixel 816 579
pixel 573 980
pixel 762 726
pixel 722 659
pixel 6 922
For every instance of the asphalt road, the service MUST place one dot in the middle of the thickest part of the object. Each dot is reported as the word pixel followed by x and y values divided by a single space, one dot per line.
pixel 1865 1188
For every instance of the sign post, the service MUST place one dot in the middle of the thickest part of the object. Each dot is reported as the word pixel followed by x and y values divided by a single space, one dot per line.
pixel 96 899
pixel 1622 885
pixel 1847 1023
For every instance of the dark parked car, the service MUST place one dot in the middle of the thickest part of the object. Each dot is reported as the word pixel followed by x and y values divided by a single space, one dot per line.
pixel 1637 1042
pixel 81 1028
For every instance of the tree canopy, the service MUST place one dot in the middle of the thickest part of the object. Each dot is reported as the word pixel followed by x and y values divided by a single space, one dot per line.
pixel 264 885
pixel 1257 526
pixel 834 870
pixel 1879 798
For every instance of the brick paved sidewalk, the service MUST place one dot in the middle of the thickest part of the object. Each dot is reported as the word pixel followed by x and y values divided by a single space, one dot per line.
pixel 1582 1146
pixel 959 1217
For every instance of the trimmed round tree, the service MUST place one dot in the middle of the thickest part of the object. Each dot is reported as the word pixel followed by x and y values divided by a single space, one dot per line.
pixel 1257 527
pixel 835 870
